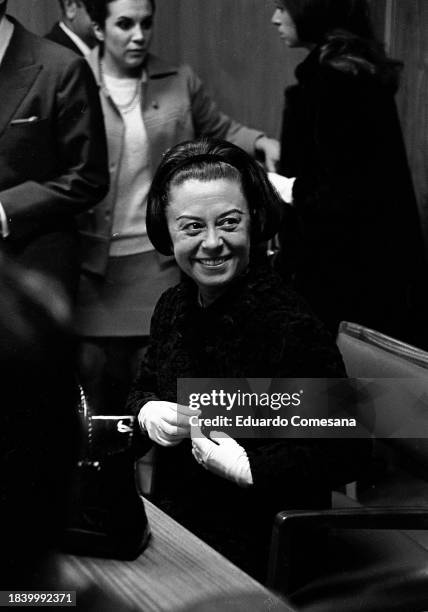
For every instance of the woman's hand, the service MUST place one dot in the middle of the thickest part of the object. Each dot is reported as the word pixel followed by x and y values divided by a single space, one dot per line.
pixel 166 423
pixel 223 456
pixel 271 151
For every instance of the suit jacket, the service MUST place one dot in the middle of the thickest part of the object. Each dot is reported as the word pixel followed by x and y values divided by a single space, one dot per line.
pixel 53 158
pixel 58 36
pixel 175 107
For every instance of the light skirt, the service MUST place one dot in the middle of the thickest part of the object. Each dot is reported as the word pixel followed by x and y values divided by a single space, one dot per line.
pixel 121 303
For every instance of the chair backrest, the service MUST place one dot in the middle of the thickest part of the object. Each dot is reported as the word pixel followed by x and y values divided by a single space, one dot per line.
pixel 370 354
pixel 362 560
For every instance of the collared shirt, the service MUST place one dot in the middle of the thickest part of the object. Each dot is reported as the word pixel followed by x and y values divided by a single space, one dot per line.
pixel 6 31
pixel 76 39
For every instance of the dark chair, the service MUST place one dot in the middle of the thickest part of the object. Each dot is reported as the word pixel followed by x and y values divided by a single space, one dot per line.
pixel 362 558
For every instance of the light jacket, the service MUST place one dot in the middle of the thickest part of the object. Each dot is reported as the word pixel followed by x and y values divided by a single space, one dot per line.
pixel 175 108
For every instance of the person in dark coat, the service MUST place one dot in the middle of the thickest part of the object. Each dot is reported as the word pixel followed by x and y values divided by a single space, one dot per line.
pixel 39 430
pixel 232 316
pixel 74 31
pixel 356 246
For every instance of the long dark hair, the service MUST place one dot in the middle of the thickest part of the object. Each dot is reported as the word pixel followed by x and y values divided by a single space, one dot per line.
pixel 343 31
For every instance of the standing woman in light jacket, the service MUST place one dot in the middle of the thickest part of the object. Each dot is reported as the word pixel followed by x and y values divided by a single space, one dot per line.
pixel 360 254
pixel 148 107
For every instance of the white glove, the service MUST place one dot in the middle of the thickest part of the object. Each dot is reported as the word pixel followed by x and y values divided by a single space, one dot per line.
pixel 224 457
pixel 283 185
pixel 165 422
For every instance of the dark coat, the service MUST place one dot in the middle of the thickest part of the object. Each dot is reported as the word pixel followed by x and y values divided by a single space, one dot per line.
pixel 53 156
pixel 259 328
pixel 359 248
pixel 57 35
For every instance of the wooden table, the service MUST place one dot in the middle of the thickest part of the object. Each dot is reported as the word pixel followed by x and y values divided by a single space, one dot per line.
pixel 176 572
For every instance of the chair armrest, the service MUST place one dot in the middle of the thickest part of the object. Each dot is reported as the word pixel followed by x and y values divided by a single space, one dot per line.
pixel 288 522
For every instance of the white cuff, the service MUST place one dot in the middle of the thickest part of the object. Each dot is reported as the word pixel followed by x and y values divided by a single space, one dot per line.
pixel 283 185
pixel 4 224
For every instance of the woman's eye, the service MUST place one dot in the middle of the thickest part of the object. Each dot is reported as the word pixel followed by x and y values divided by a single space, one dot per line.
pixel 147 24
pixel 229 223
pixel 192 228
pixel 124 24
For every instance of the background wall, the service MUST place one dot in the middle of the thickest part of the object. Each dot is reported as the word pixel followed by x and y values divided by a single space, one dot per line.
pixel 235 49
pixel 408 23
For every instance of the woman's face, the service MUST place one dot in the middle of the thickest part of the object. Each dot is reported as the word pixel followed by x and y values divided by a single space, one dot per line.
pixel 126 36
pixel 209 225
pixel 282 19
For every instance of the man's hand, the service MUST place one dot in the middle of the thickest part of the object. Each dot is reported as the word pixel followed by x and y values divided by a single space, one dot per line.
pixel 270 149
pixel 166 423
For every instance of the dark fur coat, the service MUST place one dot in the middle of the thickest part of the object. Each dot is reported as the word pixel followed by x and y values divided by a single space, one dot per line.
pixel 357 249
pixel 259 328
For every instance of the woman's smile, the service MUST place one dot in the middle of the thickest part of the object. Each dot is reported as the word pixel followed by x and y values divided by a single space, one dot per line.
pixel 216 262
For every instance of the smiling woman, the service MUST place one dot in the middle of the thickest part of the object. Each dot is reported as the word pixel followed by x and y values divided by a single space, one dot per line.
pixel 211 205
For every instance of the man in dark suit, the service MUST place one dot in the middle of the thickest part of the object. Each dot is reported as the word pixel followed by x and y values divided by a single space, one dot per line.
pixel 74 31
pixel 53 160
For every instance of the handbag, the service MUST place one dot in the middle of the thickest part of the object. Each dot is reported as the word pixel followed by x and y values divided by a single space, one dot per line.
pixel 106 515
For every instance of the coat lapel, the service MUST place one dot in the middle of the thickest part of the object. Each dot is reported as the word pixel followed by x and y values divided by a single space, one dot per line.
pixel 18 71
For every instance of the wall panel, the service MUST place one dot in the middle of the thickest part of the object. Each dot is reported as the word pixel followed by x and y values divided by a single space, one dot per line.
pixel 409 42
pixel 235 49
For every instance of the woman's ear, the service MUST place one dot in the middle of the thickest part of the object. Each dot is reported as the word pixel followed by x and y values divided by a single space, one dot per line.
pixel 70 9
pixel 99 34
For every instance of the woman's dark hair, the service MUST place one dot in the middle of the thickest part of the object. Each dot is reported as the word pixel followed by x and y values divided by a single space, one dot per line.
pixel 98 10
pixel 207 160
pixel 344 32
